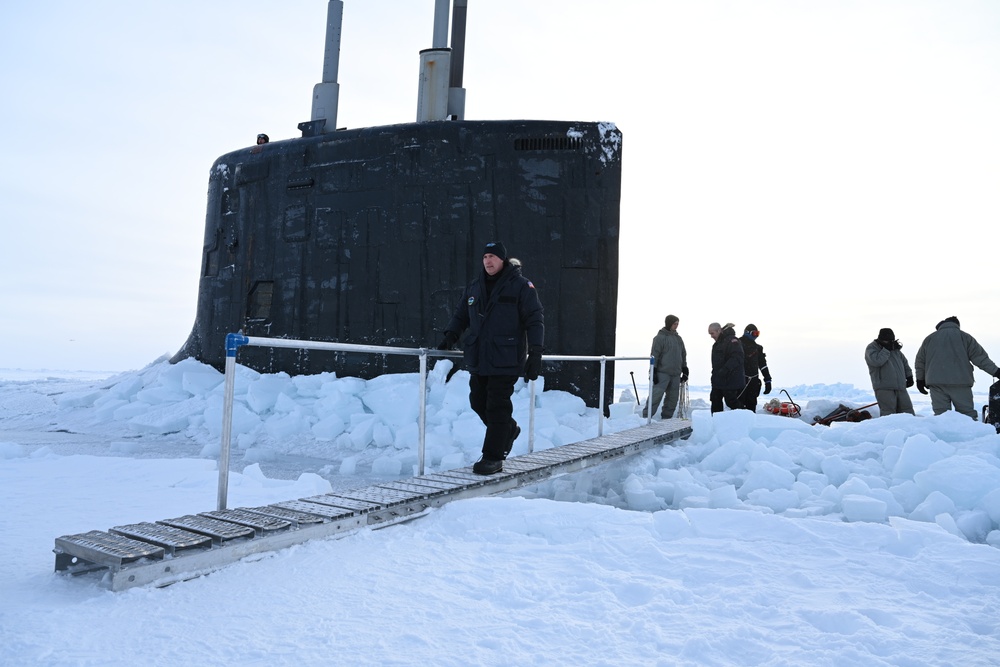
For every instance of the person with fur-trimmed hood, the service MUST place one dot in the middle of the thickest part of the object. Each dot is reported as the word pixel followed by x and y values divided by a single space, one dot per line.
pixel 727 367
pixel 669 359
pixel 890 373
pixel 754 365
pixel 944 365
pixel 506 332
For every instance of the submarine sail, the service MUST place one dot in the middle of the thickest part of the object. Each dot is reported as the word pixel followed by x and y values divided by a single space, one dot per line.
pixel 370 235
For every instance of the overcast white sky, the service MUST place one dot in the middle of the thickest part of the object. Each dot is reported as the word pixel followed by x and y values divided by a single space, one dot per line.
pixel 822 169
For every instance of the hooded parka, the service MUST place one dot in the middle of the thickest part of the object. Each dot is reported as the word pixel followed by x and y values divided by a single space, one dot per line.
pixel 727 362
pixel 502 323
pixel 669 351
pixel 889 369
pixel 946 357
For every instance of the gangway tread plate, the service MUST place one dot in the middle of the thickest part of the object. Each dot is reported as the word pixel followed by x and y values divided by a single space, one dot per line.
pixel 604 452
pixel 585 448
pixel 619 436
pixel 170 538
pixel 560 455
pixel 517 466
pixel 463 476
pixel 380 495
pixel 465 480
pixel 102 548
pixel 422 483
pixel 580 451
pixel 328 512
pixel 522 468
pixel 417 490
pixel 219 531
pixel 295 518
pixel 466 473
pixel 548 456
pixel 453 482
pixel 600 443
pixel 542 458
pixel 262 525
pixel 358 506
pixel 514 471
pixel 537 458
pixel 570 452
pixel 511 468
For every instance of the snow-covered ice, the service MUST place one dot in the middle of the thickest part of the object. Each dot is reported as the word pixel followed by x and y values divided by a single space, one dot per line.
pixel 759 540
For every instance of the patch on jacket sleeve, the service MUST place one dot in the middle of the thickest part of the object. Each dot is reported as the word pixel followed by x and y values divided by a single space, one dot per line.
pixel 531 284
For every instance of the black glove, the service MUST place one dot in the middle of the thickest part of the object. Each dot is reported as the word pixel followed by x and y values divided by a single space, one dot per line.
pixel 448 341
pixel 767 386
pixel 656 376
pixel 896 345
pixel 886 344
pixel 997 374
pixel 909 382
pixel 534 363
pixel 684 373
pixel 921 387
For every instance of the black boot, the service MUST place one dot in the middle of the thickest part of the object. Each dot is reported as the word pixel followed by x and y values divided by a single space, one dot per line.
pixel 514 432
pixel 485 466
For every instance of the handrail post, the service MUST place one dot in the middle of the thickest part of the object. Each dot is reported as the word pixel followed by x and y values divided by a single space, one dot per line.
pixel 649 394
pixel 600 400
pixel 233 342
pixel 531 416
pixel 422 419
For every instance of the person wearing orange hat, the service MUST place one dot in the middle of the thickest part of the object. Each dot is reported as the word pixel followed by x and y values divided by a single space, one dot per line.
pixel 754 365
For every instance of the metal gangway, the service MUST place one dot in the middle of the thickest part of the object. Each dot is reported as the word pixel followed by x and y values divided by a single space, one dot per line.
pixel 171 550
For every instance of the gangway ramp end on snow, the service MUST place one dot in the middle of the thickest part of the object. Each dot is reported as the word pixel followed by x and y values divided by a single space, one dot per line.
pixel 171 550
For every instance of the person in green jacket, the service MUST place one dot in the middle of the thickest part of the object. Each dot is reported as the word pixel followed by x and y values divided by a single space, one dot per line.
pixel 669 359
pixel 891 374
pixel 944 365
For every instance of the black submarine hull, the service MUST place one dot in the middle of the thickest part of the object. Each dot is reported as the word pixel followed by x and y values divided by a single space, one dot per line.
pixel 369 236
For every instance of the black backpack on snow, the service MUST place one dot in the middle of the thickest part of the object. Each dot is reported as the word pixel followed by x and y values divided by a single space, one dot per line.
pixel 991 412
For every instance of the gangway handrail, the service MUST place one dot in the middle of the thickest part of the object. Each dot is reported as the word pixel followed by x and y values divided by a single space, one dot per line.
pixel 234 341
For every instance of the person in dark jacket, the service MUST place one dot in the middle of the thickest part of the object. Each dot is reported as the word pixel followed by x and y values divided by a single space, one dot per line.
pixel 754 365
pixel 506 332
pixel 891 374
pixel 669 358
pixel 727 367
pixel 944 365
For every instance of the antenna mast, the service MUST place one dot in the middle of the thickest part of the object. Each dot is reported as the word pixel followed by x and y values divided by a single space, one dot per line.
pixel 440 95
pixel 326 95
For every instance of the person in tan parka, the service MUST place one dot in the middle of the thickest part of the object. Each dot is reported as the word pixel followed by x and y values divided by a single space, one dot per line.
pixel 944 365
pixel 890 373
pixel 669 367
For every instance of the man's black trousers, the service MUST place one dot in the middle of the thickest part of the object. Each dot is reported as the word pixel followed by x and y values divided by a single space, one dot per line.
pixel 489 396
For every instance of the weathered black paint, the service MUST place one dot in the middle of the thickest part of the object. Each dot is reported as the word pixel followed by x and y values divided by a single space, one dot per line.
pixel 368 236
